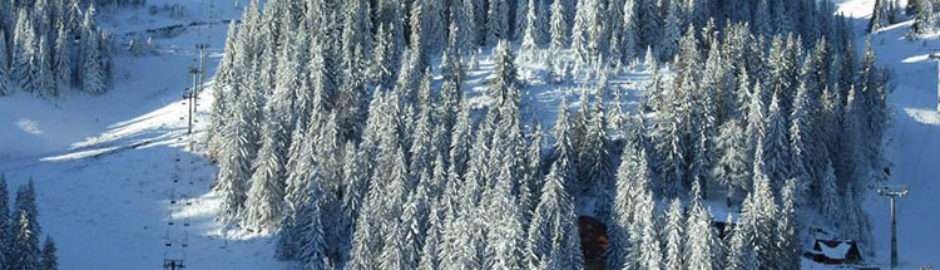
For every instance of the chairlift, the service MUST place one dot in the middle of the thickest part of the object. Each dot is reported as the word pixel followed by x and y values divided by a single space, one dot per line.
pixel 166 239
pixel 185 240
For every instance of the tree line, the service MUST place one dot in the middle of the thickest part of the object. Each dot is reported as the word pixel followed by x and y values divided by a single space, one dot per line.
pixel 50 47
pixel 20 232
pixel 336 126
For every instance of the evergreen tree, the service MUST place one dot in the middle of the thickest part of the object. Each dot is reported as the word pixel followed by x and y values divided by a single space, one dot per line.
pixel 49 260
pixel 632 181
pixel 534 31
pixel 235 166
pixel 24 53
pixel 431 251
pixel 673 232
pixel 7 227
pixel 6 86
pixel 788 241
pixel 263 205
pixel 505 233
pixel 829 199
pixel 564 150
pixel 93 75
pixel 647 249
pixel 776 146
pixel 650 22
pixel 497 22
pixel 559 25
pixel 924 22
pixel 669 41
pixel 553 233
pixel 702 245
pixel 25 251
pixel 758 219
pixel 62 68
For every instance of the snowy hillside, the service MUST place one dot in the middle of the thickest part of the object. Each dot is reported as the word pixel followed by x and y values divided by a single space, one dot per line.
pixel 104 165
pixel 914 142
pixel 119 188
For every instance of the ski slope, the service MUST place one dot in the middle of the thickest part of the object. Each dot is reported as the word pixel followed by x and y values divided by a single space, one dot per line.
pixel 104 165
pixel 914 143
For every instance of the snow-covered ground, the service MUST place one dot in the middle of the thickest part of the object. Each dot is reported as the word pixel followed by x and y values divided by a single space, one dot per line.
pixel 915 143
pixel 105 166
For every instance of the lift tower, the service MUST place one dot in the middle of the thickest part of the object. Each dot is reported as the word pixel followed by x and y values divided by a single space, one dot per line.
pixel 894 193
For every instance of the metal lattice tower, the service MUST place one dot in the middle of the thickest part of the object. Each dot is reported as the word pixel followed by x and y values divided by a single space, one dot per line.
pixel 894 193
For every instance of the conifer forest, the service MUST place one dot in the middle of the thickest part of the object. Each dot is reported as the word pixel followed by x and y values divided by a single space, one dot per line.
pixel 469 134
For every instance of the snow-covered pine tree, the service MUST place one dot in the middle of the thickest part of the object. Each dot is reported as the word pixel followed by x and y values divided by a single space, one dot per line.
pixel 702 245
pixel 532 175
pixel 829 200
pixel 93 75
pixel 45 80
pixel 415 220
pixel 264 198
pixel 311 239
pixel 62 66
pixel 23 54
pixel 7 228
pixel 755 127
pixel 6 84
pixel 431 251
pixel 924 18
pixel 505 234
pixel 776 150
pixel 850 166
pixel 628 37
pixel 463 20
pixel 647 250
pixel 595 156
pixel 26 202
pixel 564 149
pixel 788 230
pixel 669 40
pixel 520 10
pixel 497 22
pixel 580 32
pixel 804 146
pixel 25 250
pixel 553 233
pixel 366 243
pixel 758 216
pixel 632 181
pixel 878 16
pixel 49 260
pixel 560 25
pixel 649 23
pixel 673 232
pixel 532 37
pixel 235 165
pixel 463 244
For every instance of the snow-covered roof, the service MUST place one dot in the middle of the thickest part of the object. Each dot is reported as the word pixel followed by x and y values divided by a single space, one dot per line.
pixel 838 250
